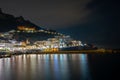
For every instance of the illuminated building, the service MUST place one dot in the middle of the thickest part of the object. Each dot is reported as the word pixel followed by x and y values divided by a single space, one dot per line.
pixel 27 41
pixel 6 46
pixel 24 28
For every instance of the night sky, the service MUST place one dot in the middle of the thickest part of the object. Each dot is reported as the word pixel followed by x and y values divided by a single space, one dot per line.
pixel 91 21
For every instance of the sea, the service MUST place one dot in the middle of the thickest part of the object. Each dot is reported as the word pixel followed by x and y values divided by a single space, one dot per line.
pixel 82 66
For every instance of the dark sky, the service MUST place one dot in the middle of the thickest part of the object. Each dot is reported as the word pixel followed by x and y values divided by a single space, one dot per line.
pixel 91 21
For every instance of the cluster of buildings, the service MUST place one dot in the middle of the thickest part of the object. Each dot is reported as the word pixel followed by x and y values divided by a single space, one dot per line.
pixel 51 44
pixel 34 30
pixel 57 43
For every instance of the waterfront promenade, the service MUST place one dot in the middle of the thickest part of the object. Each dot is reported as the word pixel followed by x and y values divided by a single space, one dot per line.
pixel 99 51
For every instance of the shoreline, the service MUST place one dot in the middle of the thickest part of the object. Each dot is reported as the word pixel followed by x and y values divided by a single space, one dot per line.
pixel 9 54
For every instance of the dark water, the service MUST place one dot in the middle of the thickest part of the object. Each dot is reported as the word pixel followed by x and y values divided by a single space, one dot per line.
pixel 61 67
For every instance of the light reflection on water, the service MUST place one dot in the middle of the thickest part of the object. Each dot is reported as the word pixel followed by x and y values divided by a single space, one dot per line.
pixel 84 67
pixel 45 67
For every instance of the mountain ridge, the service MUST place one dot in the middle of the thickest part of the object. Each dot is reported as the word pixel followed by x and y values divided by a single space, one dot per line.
pixel 8 22
pixel 20 29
